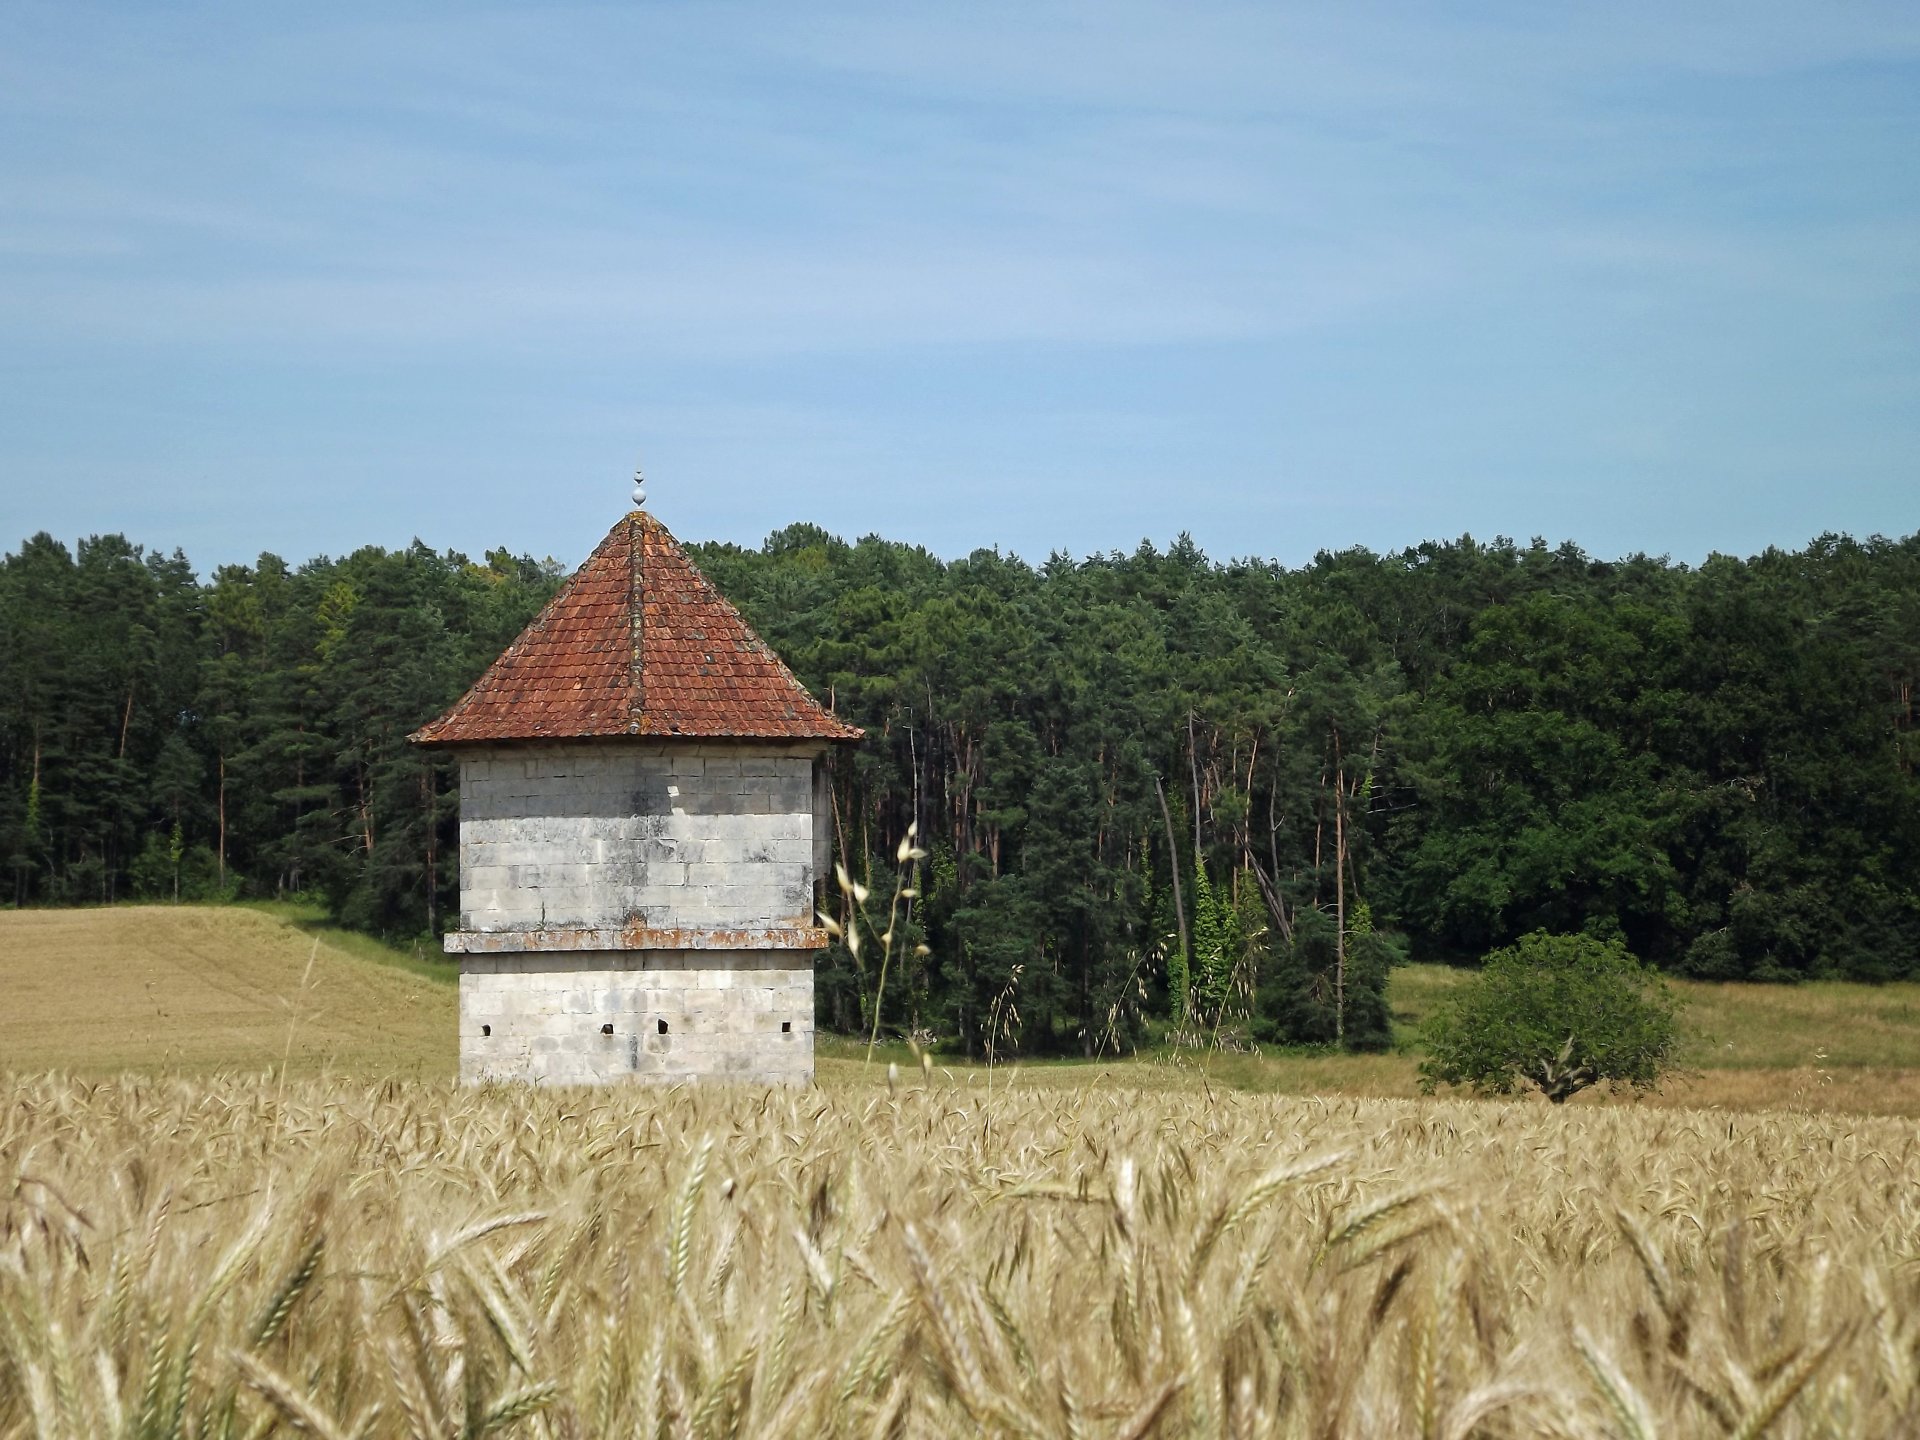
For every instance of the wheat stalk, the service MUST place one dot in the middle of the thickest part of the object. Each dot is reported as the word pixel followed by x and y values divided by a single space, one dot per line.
pixel 1099 1261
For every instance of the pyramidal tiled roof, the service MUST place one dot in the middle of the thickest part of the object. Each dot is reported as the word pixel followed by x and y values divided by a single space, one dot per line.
pixel 638 642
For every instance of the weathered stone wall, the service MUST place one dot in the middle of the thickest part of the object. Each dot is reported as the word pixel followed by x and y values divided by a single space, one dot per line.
pixel 585 1017
pixel 614 833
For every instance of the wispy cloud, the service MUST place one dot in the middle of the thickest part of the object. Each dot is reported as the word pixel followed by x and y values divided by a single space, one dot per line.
pixel 1253 243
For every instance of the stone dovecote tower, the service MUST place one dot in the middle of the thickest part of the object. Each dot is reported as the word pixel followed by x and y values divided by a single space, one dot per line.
pixel 643 818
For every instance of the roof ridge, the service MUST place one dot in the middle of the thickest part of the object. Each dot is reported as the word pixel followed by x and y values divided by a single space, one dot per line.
pixel 636 622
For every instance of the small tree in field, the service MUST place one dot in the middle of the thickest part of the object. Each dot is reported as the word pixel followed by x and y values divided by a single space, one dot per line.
pixel 1558 1012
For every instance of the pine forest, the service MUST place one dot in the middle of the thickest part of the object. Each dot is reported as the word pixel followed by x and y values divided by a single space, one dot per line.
pixel 1156 793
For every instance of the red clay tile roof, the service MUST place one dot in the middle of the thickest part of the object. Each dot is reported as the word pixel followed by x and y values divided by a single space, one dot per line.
pixel 638 642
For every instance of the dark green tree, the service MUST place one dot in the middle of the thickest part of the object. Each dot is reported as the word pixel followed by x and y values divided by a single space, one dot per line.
pixel 1557 1012
pixel 1443 748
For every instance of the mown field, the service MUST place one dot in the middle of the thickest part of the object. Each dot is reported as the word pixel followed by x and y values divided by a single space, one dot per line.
pixel 196 989
pixel 202 990
pixel 201 1258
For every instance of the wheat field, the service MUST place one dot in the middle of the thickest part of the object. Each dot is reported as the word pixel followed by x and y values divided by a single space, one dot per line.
pixel 244 1257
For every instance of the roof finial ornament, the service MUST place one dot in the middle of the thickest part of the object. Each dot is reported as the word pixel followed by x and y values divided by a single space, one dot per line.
pixel 639 488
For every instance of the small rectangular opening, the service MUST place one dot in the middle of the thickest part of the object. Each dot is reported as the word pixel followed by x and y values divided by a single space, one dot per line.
pixel 606 1029
pixel 786 1027
pixel 663 1026
pixel 486 1029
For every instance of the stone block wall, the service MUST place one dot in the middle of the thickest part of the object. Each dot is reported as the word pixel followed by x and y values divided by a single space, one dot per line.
pixel 587 1017
pixel 613 833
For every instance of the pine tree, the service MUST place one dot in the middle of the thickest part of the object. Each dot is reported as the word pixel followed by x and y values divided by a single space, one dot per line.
pixel 1215 946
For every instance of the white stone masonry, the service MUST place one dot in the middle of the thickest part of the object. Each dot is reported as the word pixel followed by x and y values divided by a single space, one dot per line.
pixel 588 1017
pixel 638 909
pixel 613 833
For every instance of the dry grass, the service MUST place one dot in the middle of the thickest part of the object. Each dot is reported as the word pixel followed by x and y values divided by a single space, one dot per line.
pixel 200 990
pixel 1847 1090
pixel 1828 1047
pixel 192 989
pixel 1820 1025
pixel 196 1259
pixel 1268 1073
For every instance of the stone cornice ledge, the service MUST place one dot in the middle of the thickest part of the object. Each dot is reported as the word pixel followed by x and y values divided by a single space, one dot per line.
pixel 633 937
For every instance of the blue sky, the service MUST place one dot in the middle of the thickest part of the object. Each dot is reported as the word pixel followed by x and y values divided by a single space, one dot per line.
pixel 1044 277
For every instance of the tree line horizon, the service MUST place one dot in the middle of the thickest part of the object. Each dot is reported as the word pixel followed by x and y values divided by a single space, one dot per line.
pixel 1155 791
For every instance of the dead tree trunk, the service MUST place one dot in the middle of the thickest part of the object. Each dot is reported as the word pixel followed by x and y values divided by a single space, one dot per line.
pixel 1173 867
